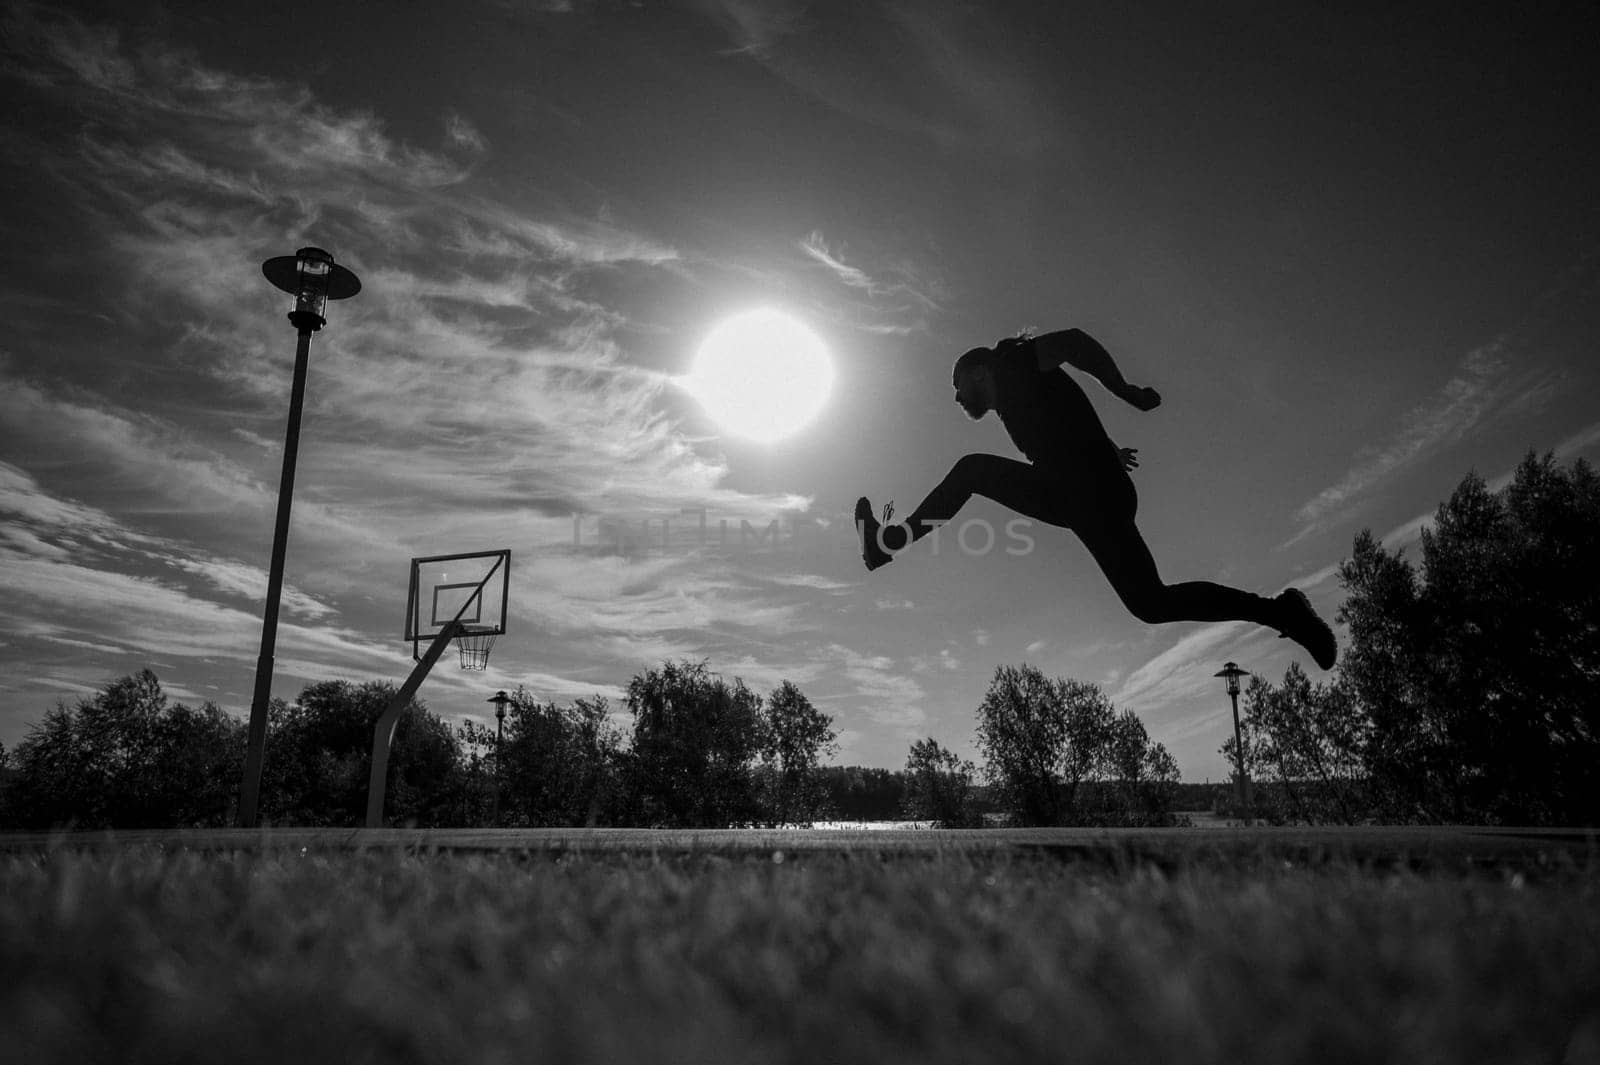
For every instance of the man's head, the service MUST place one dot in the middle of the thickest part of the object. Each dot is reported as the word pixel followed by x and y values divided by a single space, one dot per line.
pixel 973 378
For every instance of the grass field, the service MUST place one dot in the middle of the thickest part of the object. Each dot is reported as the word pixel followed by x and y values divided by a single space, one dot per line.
pixel 149 954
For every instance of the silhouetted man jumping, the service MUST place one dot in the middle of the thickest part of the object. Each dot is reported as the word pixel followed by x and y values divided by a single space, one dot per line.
pixel 1077 479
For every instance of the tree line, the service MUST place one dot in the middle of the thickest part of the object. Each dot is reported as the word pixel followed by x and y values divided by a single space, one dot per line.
pixel 702 752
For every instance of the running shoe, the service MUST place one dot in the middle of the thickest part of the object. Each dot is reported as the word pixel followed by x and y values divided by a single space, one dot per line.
pixel 1304 627
pixel 869 529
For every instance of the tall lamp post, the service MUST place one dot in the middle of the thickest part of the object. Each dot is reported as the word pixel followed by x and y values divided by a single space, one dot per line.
pixel 1241 782
pixel 312 278
pixel 499 699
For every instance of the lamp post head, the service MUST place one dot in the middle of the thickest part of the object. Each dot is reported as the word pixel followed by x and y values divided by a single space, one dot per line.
pixel 312 277
pixel 1231 674
pixel 499 699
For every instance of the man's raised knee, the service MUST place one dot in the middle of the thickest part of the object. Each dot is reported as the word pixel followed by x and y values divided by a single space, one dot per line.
pixel 1149 607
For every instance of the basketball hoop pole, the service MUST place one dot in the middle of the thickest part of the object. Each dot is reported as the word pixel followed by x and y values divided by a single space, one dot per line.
pixel 383 733
pixel 311 276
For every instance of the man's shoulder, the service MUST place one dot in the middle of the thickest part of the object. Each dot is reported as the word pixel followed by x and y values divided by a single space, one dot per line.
pixel 1017 352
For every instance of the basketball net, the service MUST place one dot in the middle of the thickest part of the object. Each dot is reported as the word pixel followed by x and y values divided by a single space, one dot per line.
pixel 475 648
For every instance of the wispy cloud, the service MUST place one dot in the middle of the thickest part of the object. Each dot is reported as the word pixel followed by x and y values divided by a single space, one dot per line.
pixel 77 575
pixel 895 298
pixel 43 531
pixel 535 7
pixel 463 134
pixel 816 247
pixel 1407 532
pixel 1580 443
pixel 1176 672
pixel 1448 416
pixel 892 698
pixel 926 69
pixel 756 26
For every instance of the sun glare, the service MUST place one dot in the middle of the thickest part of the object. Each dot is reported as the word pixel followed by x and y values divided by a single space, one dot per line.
pixel 761 375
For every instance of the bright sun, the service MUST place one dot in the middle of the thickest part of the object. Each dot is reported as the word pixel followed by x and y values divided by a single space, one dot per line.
pixel 761 375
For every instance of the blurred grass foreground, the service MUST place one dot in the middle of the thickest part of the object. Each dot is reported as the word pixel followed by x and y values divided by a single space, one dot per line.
pixel 167 955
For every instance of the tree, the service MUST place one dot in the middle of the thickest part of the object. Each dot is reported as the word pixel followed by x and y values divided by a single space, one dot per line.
pixel 1139 776
pixel 796 736
pixel 479 775
pixel 1480 671
pixel 1040 739
pixel 558 764
pixel 319 758
pixel 1382 663
pixel 695 739
pixel 938 786
pixel 1057 752
pixel 127 757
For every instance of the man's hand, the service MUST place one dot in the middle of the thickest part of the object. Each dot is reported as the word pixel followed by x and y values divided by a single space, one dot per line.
pixel 1130 457
pixel 1143 398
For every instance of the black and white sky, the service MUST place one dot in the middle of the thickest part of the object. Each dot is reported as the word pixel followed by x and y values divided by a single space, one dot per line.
pixel 1355 250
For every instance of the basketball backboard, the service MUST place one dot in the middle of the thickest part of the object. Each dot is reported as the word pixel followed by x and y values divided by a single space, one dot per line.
pixel 470 588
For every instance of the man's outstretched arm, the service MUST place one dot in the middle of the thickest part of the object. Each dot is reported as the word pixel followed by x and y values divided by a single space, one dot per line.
pixel 1083 352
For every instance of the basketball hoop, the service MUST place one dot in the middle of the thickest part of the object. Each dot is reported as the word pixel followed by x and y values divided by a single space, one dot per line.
pixel 475 648
pixel 451 597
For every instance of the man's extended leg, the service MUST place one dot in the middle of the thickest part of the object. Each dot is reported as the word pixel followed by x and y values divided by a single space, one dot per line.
pixel 1127 563
pixel 1101 511
pixel 1018 485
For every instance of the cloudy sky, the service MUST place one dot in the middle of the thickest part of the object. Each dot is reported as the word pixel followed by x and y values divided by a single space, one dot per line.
pixel 1356 255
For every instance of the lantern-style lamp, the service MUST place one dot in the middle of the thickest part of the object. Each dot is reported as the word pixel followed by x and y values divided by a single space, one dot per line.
pixel 1231 674
pixel 312 277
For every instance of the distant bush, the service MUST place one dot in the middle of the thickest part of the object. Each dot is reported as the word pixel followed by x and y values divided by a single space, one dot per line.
pixel 939 787
pixel 1043 739
pixel 861 793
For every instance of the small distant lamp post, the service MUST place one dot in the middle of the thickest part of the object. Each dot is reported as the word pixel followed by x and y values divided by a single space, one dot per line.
pixel 312 278
pixel 1241 782
pixel 499 699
